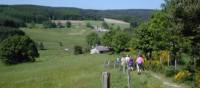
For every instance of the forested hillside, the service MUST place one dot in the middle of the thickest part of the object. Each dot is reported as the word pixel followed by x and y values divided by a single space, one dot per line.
pixel 21 14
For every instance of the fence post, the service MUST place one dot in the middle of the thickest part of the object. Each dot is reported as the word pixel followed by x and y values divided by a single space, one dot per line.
pixel 129 78
pixel 105 80
pixel 114 64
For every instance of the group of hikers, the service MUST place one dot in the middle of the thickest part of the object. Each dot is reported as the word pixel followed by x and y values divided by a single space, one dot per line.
pixel 128 62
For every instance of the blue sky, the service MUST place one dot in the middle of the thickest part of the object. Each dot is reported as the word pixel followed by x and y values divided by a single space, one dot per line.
pixel 92 4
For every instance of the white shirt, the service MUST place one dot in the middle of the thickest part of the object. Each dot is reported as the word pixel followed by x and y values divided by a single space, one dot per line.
pixel 123 61
pixel 127 59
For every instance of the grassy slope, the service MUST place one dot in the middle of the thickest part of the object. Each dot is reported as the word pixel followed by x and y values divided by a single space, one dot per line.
pixel 56 68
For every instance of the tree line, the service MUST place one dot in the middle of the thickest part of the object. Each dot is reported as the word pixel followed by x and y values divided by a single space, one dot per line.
pixel 19 15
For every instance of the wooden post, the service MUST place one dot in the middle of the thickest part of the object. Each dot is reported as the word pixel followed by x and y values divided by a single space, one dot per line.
pixel 114 65
pixel 105 80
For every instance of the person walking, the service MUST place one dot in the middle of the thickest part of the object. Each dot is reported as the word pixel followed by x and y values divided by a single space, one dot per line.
pixel 140 62
pixel 118 60
pixel 131 63
pixel 117 63
pixel 123 63
pixel 127 59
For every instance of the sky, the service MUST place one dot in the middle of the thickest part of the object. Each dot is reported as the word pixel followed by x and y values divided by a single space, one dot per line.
pixel 92 4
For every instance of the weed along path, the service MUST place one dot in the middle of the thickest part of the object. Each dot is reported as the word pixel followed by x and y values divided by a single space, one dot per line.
pixel 166 82
pixel 119 79
pixel 146 79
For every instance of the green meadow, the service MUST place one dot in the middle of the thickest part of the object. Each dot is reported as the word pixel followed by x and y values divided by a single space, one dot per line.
pixel 56 68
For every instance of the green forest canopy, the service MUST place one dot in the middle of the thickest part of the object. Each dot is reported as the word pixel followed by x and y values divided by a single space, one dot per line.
pixel 38 14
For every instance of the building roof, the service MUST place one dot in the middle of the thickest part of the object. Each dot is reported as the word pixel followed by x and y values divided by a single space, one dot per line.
pixel 102 48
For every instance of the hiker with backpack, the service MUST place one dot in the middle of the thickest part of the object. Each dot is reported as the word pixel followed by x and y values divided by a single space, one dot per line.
pixel 131 63
pixel 117 62
pixel 139 63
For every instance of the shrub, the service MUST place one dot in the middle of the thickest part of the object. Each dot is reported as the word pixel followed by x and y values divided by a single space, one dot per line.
pixel 6 32
pixel 18 49
pixel 68 24
pixel 31 25
pixel 41 46
pixel 49 24
pixel 153 66
pixel 170 71
pixel 197 79
pixel 78 50
pixel 105 25
pixel 89 25
pixel 61 44
pixel 184 60
pixel 93 39
pixel 164 55
pixel 87 49
pixel 11 21
pixel 182 75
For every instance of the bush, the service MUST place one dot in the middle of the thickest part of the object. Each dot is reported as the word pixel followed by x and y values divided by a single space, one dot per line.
pixel 182 75
pixel 61 44
pixel 93 39
pixel 105 25
pixel 89 25
pixel 86 50
pixel 197 79
pixel 41 46
pixel 78 50
pixel 153 66
pixel 49 24
pixel 170 71
pixel 6 32
pixel 11 22
pixel 68 24
pixel 31 25
pixel 18 49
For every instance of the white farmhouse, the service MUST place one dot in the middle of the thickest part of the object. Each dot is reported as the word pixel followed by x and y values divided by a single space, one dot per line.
pixel 99 49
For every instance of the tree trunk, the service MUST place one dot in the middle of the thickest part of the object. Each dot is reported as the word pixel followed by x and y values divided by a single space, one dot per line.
pixel 160 60
pixel 175 64
pixel 168 60
pixel 194 59
pixel 146 55
pixel 150 54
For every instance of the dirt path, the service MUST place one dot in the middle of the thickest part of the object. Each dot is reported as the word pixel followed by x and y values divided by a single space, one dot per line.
pixel 167 83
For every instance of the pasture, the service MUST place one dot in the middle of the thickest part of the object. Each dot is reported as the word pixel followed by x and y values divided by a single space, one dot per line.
pixel 56 68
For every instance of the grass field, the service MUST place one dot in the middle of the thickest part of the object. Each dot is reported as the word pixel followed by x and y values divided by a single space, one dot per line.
pixel 115 23
pixel 56 68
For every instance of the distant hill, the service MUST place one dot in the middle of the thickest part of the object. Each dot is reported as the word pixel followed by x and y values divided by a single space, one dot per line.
pixel 35 13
